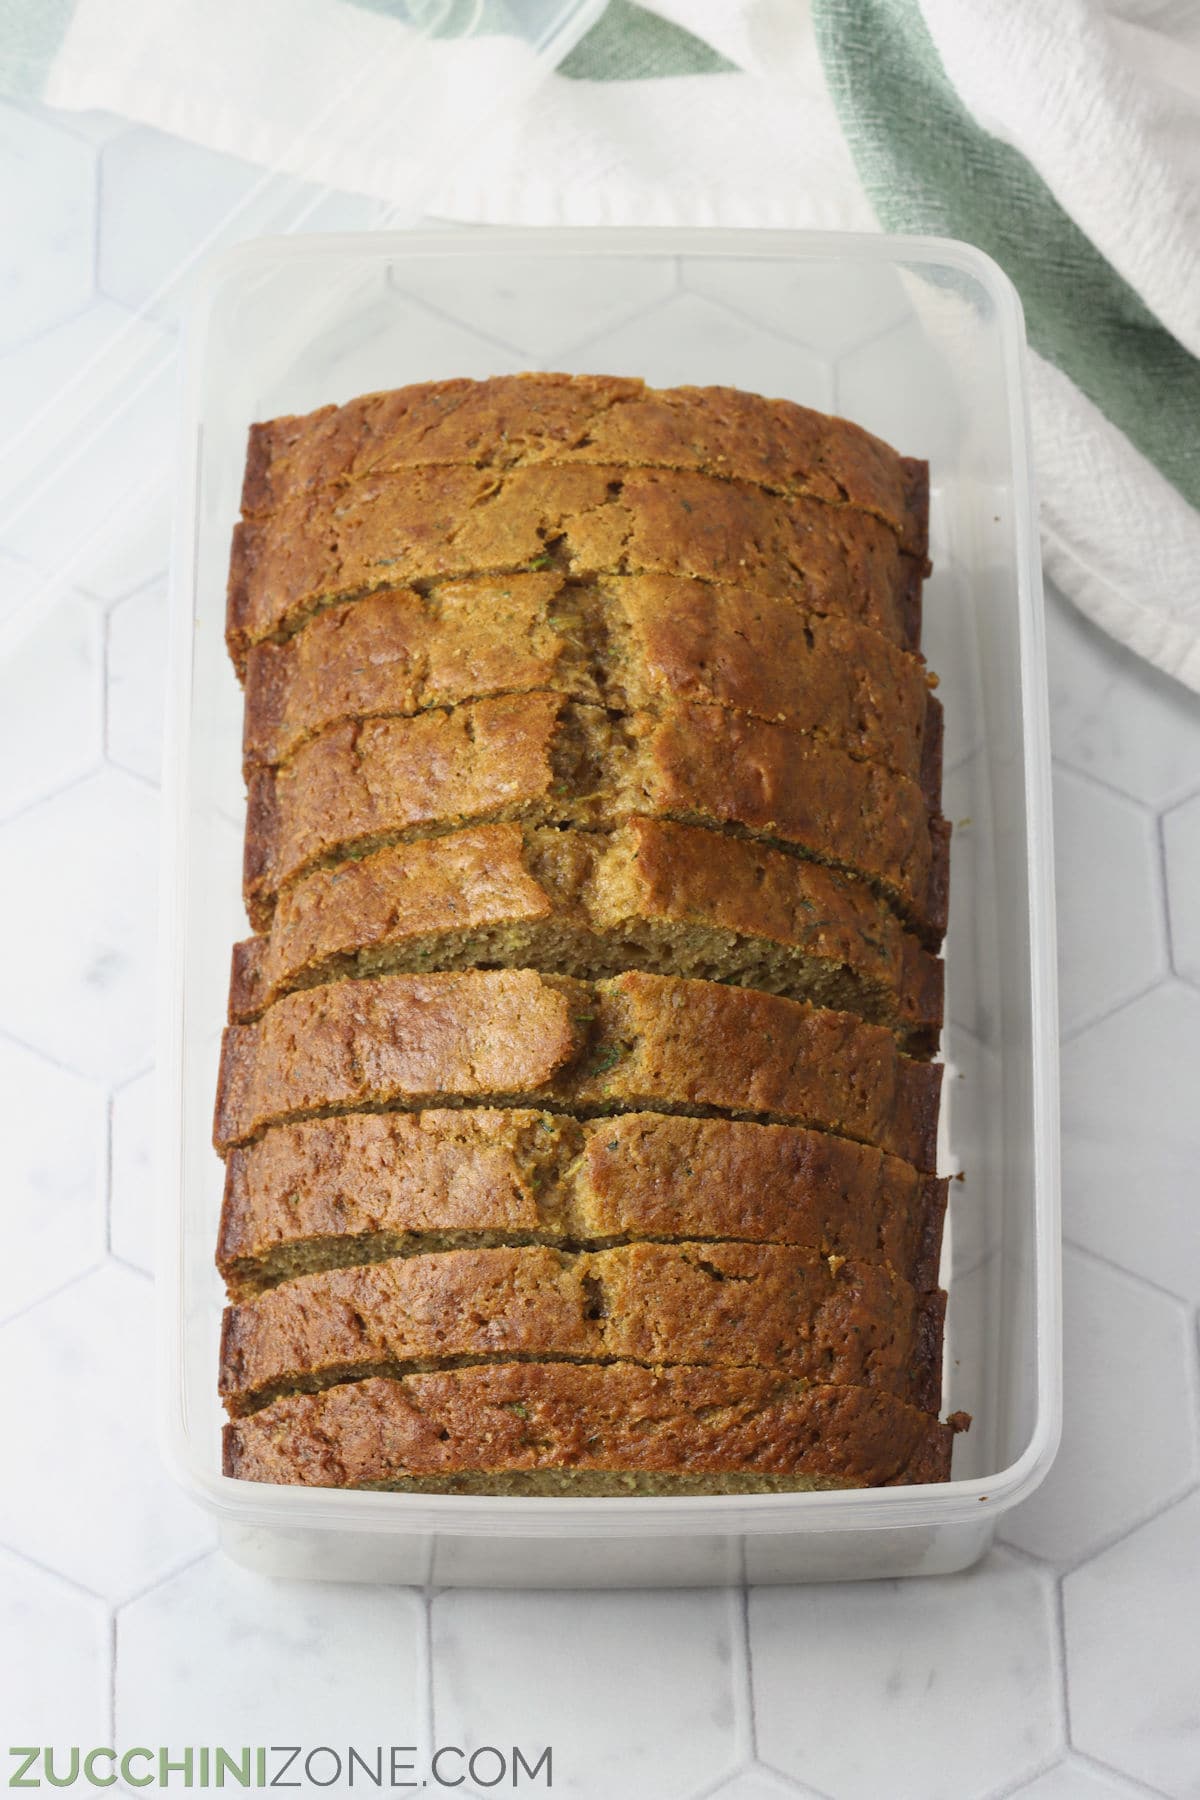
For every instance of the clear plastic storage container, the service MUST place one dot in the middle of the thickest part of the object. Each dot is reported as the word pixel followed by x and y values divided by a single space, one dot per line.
pixel 920 340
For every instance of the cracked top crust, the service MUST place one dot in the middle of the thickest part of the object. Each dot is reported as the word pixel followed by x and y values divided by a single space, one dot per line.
pixel 515 420
pixel 564 1429
pixel 634 1042
pixel 330 545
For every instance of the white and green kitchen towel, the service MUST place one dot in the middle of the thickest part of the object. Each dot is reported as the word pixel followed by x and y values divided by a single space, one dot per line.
pixel 1063 139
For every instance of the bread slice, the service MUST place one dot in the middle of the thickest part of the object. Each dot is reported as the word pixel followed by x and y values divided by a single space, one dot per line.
pixel 768 1306
pixel 635 1042
pixel 550 1428
pixel 515 420
pixel 369 1186
pixel 626 642
pixel 394 530
pixel 551 761
pixel 671 899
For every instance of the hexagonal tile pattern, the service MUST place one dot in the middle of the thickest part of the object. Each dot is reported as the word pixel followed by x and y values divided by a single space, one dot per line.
pixel 101 1507
pixel 137 675
pixel 894 1688
pixel 220 1656
pixel 1181 841
pixel 1135 1653
pixel 55 1137
pixel 52 384
pixel 398 340
pixel 83 913
pixel 1110 938
pixel 641 1693
pixel 1073 1780
pixel 655 1669
pixel 50 223
pixel 51 723
pixel 97 404
pixel 807 302
pixel 133 1171
pixel 668 343
pixel 500 309
pixel 757 1784
pixel 1113 716
pixel 21 587
pixel 1127 1446
pixel 1130 1139
pixel 166 200
pixel 55 1652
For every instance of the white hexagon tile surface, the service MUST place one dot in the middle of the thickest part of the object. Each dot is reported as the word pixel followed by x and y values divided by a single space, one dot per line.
pixel 952 1687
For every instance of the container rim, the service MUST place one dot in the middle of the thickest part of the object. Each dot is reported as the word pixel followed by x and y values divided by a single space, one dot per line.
pixel 253 1505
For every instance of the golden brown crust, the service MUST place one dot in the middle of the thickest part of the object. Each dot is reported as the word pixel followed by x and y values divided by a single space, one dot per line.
pixel 634 642
pixel 767 1306
pixel 545 418
pixel 671 899
pixel 507 1418
pixel 548 760
pixel 371 1185
pixel 635 1042
pixel 393 530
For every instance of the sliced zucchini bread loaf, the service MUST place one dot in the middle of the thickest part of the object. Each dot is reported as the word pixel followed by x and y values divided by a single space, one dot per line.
pixel 579 1130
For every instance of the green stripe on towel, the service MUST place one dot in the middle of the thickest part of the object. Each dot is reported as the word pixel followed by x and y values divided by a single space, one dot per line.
pixel 627 43
pixel 30 35
pixel 928 167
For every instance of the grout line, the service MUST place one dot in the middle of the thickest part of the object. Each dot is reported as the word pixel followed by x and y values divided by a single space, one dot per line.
pixel 804 1790
pixel 1164 876
pixel 146 781
pixel 124 1262
pixel 105 672
pixel 112 1675
pixel 1018 1784
pixel 109 605
pixel 34 338
pixel 427 1597
pixel 164 1578
pixel 109 1103
pixel 97 219
pixel 1071 1034
pixel 1104 1545
pixel 715 1787
pixel 7 1035
pixel 63 787
pixel 745 1696
pixel 48 1569
pixel 1108 1262
pixel 54 1292
pixel 1134 1782
pixel 1098 782
pixel 1062 1686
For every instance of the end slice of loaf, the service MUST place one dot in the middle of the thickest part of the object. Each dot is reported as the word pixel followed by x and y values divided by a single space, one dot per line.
pixel 515 420
pixel 767 1306
pixel 369 1186
pixel 635 1042
pixel 551 1428
pixel 671 899
pixel 629 643
pixel 543 759
pixel 392 530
